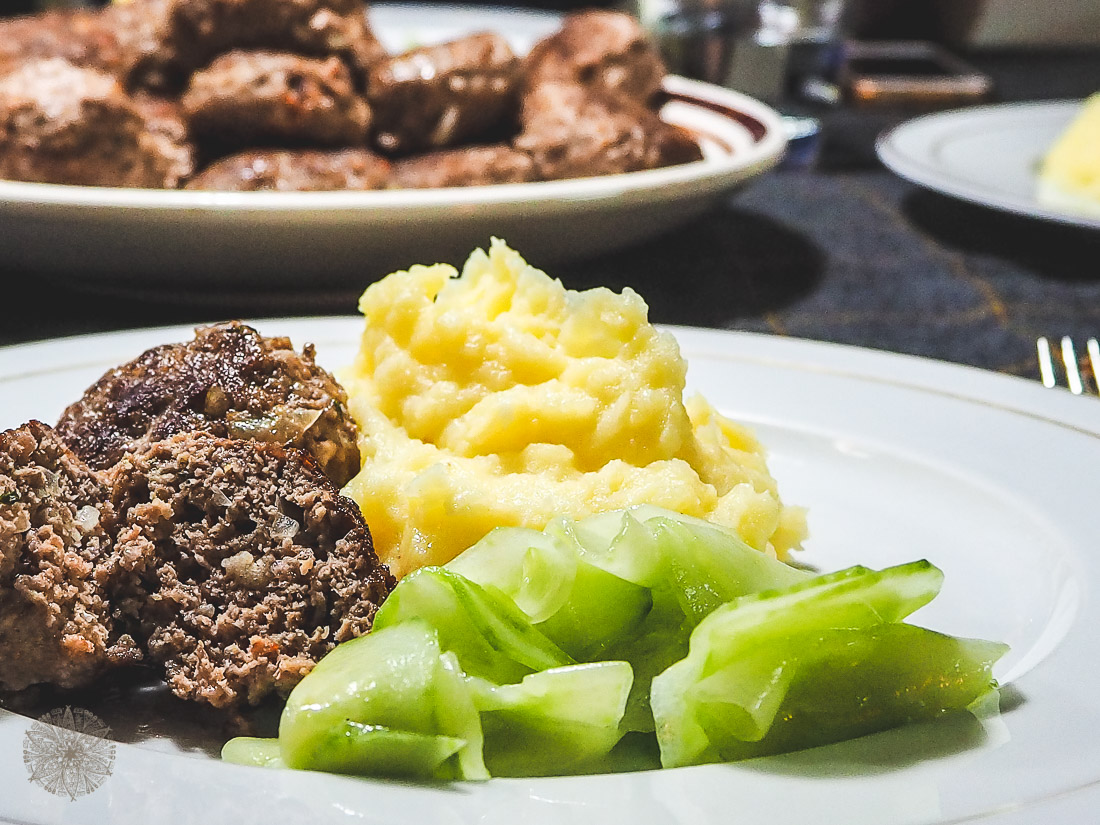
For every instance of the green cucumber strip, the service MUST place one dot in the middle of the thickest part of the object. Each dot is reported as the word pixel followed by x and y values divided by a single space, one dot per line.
pixel 491 637
pixel 251 750
pixel 389 695
pixel 531 568
pixel 815 663
pixel 555 722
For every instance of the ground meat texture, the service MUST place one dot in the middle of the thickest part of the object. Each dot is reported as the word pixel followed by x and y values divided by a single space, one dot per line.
pixel 474 166
pixel 438 96
pixel 83 37
pixel 169 39
pixel 601 49
pixel 63 124
pixel 229 380
pixel 252 98
pixel 254 565
pixel 55 558
pixel 572 131
pixel 303 170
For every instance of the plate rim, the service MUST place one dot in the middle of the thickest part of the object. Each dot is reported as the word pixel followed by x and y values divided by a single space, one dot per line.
pixel 918 169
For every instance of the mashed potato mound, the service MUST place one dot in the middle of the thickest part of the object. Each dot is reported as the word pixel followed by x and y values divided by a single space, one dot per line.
pixel 501 398
pixel 1069 177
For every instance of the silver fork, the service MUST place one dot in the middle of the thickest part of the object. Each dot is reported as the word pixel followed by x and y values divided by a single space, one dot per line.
pixel 1069 364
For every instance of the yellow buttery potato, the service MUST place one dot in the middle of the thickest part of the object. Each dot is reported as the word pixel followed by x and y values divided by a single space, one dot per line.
pixel 501 398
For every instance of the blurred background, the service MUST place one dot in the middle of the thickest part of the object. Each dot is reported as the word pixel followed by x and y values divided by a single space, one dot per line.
pixel 832 246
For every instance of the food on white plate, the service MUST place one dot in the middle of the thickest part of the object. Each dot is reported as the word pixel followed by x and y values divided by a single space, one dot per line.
pixel 500 398
pixel 1069 176
pixel 180 517
pixel 572 649
pixel 297 95
pixel 593 569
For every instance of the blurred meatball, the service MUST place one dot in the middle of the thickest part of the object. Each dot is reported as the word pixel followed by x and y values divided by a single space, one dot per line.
pixel 473 166
pixel 438 96
pixel 248 98
pixel 602 50
pixel 304 170
pixel 63 124
pixel 573 131
pixel 168 39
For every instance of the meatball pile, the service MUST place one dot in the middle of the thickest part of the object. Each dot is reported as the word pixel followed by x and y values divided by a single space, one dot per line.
pixel 300 95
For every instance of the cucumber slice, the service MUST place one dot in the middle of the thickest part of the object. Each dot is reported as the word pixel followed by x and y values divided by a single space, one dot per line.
pixel 821 661
pixel 385 704
pixel 491 637
pixel 559 721
pixel 250 750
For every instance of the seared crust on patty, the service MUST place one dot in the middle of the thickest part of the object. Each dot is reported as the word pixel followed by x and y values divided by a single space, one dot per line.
pixel 229 381
pixel 253 564
pixel 55 565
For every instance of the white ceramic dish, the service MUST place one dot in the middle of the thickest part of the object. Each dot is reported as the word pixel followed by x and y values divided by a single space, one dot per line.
pixel 180 241
pixel 988 155
pixel 990 477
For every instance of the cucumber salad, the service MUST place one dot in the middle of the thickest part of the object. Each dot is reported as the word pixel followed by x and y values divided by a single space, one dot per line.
pixel 633 639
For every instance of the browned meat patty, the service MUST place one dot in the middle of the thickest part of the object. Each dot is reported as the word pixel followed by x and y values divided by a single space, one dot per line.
pixel 572 131
pixel 253 564
pixel 229 380
pixel 302 170
pixel 167 129
pixel 63 124
pixel 473 166
pixel 601 49
pixel 166 40
pixel 438 96
pixel 82 37
pixel 252 98
pixel 55 560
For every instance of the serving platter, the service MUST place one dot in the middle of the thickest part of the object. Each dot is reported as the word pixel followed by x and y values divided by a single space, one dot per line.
pixel 988 155
pixel 179 241
pixel 897 458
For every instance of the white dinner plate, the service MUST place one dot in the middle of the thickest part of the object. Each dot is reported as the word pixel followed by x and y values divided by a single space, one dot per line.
pixel 182 241
pixel 992 478
pixel 988 155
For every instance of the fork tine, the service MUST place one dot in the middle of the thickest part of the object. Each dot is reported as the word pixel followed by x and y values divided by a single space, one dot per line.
pixel 1046 363
pixel 1094 361
pixel 1073 368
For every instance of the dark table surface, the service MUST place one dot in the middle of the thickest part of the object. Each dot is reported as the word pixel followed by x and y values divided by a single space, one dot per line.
pixel 844 252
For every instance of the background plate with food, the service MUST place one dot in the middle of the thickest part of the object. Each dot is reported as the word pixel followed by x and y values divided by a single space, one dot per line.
pixel 991 156
pixel 182 239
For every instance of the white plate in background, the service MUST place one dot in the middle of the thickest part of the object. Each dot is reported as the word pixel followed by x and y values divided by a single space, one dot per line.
pixel 182 241
pixel 987 155
pixel 990 477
